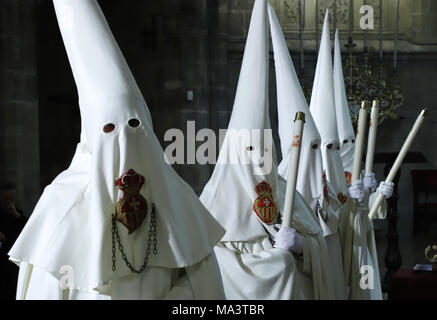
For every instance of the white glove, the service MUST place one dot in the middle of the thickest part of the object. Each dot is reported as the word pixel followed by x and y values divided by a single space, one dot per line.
pixel 288 239
pixel 386 189
pixel 369 181
pixel 356 191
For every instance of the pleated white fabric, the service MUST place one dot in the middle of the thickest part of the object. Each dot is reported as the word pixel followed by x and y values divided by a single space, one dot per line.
pixel 315 278
pixel 365 269
pixel 199 282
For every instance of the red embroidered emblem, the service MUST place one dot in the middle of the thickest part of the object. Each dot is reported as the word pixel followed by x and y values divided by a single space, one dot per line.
pixel 348 176
pixel 342 198
pixel 296 141
pixel 131 210
pixel 325 187
pixel 264 206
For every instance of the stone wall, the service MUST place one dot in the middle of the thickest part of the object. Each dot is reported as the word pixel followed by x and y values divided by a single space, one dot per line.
pixel 19 127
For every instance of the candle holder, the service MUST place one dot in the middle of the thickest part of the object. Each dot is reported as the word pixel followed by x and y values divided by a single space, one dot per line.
pixel 431 255
pixel 367 80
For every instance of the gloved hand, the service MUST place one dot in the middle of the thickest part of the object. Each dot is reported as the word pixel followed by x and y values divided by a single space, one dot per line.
pixel 369 181
pixel 356 191
pixel 386 189
pixel 288 239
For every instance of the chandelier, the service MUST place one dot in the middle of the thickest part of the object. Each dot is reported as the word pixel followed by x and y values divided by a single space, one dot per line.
pixel 368 80
pixel 365 74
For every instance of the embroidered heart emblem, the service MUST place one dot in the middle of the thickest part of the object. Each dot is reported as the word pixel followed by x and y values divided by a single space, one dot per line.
pixel 131 209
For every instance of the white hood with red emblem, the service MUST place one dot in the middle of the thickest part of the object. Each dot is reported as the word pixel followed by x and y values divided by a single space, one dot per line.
pixel 291 100
pixel 71 224
pixel 322 107
pixel 239 194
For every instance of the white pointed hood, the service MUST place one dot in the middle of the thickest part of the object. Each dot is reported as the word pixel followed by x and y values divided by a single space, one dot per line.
pixel 344 123
pixel 322 108
pixel 103 78
pixel 71 224
pixel 291 100
pixel 238 194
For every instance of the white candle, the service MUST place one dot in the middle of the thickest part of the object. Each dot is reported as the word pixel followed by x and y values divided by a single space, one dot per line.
pixel 359 142
pixel 293 166
pixel 394 169
pixel 373 129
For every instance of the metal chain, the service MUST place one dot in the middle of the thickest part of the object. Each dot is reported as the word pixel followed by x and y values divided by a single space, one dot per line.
pixel 152 233
pixel 320 212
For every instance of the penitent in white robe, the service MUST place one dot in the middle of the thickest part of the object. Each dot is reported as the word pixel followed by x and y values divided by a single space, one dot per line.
pixel 256 270
pixel 315 279
pixel 72 232
pixel 331 223
pixel 365 254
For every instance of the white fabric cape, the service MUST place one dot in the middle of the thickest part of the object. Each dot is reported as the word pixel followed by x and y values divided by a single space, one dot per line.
pixel 71 224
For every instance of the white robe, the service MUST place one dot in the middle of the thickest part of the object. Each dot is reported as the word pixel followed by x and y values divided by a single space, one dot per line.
pixel 365 254
pixel 71 225
pixel 333 231
pixel 315 279
pixel 197 282
pixel 256 270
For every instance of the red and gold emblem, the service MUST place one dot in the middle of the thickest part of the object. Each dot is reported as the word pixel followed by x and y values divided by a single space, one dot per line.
pixel 348 176
pixel 342 198
pixel 325 187
pixel 131 209
pixel 296 141
pixel 264 206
